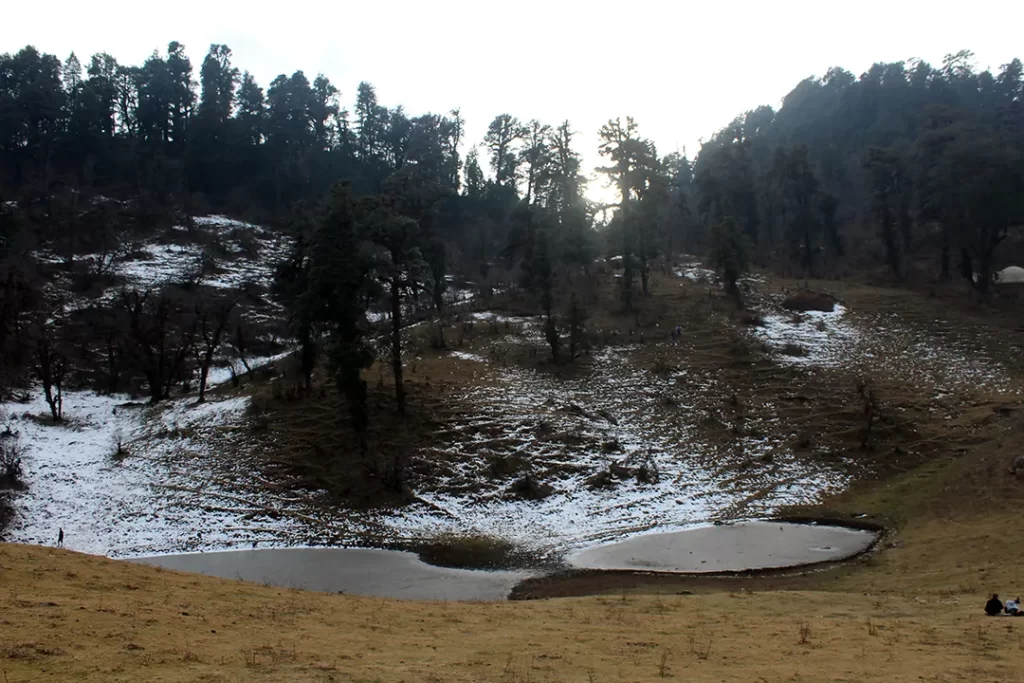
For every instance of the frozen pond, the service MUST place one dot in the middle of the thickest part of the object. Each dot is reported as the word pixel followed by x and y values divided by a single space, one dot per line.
pixel 395 574
pixel 728 548
pixel 381 573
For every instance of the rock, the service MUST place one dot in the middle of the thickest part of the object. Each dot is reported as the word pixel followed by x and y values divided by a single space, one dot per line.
pixel 1017 466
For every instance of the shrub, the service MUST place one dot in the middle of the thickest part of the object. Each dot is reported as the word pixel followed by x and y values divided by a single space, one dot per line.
pixel 661 366
pixel 529 488
pixel 753 318
pixel 603 479
pixel 730 255
pixel 6 514
pixel 792 349
pixel 505 465
pixel 119 446
pixel 810 301
pixel 11 472
pixel 475 551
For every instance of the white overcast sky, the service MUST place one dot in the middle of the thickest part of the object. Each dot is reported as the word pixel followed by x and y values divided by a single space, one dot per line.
pixel 681 69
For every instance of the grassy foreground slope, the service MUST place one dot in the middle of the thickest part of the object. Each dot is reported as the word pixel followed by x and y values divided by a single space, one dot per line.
pixel 65 616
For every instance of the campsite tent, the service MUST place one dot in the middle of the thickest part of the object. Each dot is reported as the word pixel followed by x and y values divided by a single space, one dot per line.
pixel 1011 275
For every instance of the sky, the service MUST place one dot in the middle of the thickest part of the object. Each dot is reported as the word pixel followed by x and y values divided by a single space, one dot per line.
pixel 683 70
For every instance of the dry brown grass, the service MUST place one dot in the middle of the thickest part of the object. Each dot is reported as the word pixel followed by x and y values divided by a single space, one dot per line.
pixel 935 474
pixel 74 617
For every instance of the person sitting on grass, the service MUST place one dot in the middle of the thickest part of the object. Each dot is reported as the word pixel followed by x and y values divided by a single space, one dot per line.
pixel 1013 608
pixel 994 607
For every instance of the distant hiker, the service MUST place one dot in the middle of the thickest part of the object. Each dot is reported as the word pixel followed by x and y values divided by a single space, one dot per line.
pixel 994 607
pixel 1013 607
pixel 677 334
pixel 60 538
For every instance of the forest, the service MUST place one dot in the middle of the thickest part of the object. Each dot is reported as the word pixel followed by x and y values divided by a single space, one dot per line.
pixel 909 172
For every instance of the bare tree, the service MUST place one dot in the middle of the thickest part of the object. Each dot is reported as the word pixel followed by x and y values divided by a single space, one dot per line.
pixel 239 342
pixel 160 334
pixel 51 366
pixel 212 320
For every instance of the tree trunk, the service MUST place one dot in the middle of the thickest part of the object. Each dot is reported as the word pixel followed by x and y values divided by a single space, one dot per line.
pixel 627 262
pixel 156 386
pixel 47 374
pixel 204 372
pixel 892 244
pixel 944 255
pixel 983 285
pixel 906 225
pixel 396 336
pixel 113 373
pixel 551 335
pixel 440 334
pixel 645 270
pixel 808 247
pixel 627 284
pixel 54 401
pixel 574 327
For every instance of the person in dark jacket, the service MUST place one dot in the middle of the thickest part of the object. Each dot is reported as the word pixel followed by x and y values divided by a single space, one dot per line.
pixel 994 607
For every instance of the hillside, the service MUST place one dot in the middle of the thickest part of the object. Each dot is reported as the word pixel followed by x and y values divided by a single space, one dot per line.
pixel 747 414
pixel 935 475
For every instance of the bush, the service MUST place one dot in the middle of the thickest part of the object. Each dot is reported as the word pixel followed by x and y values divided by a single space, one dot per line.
pixel 810 301
pixel 661 366
pixel 119 446
pixel 792 349
pixel 245 242
pixel 476 551
pixel 529 488
pixel 730 255
pixel 505 465
pixel 11 472
pixel 603 479
pixel 741 346
pixel 6 514
pixel 753 318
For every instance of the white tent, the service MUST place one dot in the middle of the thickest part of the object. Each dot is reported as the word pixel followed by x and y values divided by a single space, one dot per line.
pixel 1011 275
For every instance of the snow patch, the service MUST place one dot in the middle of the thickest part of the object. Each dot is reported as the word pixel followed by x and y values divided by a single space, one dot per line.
pixel 159 496
pixel 825 338
pixel 463 355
